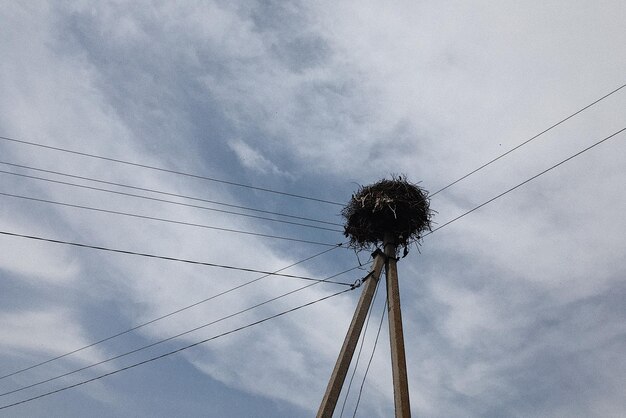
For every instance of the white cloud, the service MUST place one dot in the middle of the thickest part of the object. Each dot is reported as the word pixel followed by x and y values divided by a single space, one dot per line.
pixel 45 334
pixel 253 159
pixel 37 263
pixel 503 300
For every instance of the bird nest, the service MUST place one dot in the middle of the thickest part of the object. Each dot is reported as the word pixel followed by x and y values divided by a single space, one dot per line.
pixel 395 207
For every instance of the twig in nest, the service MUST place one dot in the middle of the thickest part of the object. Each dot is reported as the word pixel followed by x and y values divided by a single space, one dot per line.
pixel 394 206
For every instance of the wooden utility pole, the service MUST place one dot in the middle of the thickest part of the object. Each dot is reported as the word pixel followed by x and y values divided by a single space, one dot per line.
pixel 396 335
pixel 340 371
pixel 398 360
pixel 392 212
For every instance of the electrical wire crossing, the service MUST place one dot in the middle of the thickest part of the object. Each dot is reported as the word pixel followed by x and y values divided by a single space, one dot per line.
pixel 527 181
pixel 184 308
pixel 170 338
pixel 166 170
pixel 167 258
pixel 150 190
pixel 193 262
pixel 529 140
pixel 171 221
pixel 169 353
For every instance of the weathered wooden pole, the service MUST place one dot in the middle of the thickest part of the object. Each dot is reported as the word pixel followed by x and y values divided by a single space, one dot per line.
pixel 392 213
pixel 340 371
pixel 396 335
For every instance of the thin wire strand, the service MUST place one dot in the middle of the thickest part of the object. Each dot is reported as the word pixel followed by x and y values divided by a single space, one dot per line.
pixel 172 221
pixel 169 353
pixel 167 258
pixel 447 223
pixel 145 347
pixel 166 315
pixel 358 357
pixel 369 363
pixel 144 189
pixel 172 202
pixel 525 181
pixel 529 140
pixel 165 170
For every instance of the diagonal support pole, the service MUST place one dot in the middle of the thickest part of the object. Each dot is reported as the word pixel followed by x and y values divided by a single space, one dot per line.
pixel 340 371
pixel 396 335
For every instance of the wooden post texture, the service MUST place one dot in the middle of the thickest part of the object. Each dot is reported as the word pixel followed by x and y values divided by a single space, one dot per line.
pixel 340 371
pixel 398 358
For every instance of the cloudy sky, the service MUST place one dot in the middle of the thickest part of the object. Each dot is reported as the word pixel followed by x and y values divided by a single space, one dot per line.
pixel 513 310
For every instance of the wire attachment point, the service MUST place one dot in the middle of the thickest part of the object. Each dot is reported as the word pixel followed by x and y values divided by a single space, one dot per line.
pixel 360 281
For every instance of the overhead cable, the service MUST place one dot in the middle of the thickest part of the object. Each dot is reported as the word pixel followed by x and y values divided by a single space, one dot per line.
pixel 145 189
pixel 172 202
pixel 169 353
pixel 526 181
pixel 172 221
pixel 184 308
pixel 167 258
pixel 369 363
pixel 528 140
pixel 166 170
pixel 145 347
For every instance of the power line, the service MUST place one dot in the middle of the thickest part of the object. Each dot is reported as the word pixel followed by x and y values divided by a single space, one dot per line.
pixel 174 336
pixel 169 353
pixel 165 170
pixel 529 140
pixel 166 315
pixel 162 257
pixel 214 202
pixel 369 363
pixel 447 223
pixel 526 181
pixel 476 208
pixel 290 194
pixel 169 201
pixel 172 221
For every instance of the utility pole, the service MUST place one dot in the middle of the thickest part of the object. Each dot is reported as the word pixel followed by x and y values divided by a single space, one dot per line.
pixel 398 360
pixel 340 371
pixel 392 213
pixel 396 335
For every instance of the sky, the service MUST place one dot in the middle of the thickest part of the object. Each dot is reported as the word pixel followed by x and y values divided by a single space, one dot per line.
pixel 511 311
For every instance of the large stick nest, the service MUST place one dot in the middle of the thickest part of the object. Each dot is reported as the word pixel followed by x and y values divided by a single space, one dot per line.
pixel 395 207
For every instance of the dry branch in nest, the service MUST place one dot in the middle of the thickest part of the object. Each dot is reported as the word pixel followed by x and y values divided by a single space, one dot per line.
pixel 395 207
